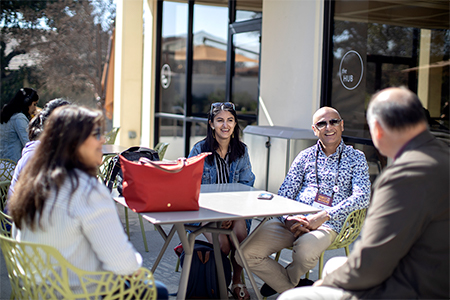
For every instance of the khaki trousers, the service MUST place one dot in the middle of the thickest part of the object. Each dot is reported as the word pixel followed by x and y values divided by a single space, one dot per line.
pixel 273 237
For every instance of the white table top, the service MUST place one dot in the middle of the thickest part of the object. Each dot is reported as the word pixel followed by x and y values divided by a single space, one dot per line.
pixel 112 149
pixel 228 202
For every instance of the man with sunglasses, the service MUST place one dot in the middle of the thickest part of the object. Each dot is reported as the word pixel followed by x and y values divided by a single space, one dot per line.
pixel 330 176
pixel 403 252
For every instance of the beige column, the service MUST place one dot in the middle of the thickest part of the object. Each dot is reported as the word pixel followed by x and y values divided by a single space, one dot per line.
pixel 148 80
pixel 128 72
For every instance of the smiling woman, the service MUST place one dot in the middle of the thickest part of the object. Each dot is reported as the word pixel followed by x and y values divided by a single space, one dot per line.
pixel 230 163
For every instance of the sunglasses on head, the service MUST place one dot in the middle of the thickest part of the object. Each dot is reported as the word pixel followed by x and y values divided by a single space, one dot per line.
pixel 222 105
pixel 322 124
pixel 97 133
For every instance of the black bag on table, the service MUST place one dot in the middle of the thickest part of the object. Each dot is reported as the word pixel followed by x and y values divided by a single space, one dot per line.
pixel 133 154
pixel 203 281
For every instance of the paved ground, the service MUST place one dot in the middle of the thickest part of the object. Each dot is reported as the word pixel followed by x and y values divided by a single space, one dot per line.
pixel 166 269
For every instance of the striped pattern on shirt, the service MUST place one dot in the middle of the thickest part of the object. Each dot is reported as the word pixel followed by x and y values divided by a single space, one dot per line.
pixel 223 168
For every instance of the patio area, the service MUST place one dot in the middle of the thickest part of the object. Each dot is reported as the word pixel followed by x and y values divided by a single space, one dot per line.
pixel 166 268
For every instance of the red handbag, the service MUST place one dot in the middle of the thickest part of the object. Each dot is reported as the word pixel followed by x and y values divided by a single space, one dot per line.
pixel 159 186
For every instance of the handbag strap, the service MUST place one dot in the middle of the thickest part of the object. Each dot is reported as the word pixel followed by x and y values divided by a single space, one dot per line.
pixel 175 167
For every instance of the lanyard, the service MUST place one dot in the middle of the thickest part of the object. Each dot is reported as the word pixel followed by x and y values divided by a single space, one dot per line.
pixel 335 188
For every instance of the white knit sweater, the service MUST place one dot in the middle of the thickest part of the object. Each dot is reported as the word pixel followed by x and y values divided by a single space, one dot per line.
pixel 85 228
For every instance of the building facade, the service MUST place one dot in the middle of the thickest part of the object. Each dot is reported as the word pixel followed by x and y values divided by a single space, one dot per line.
pixel 278 61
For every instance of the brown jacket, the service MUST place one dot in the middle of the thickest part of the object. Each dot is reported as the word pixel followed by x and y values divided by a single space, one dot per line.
pixel 404 247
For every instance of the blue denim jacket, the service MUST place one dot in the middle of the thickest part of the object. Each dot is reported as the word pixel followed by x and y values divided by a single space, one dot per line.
pixel 13 137
pixel 240 169
pixel 240 172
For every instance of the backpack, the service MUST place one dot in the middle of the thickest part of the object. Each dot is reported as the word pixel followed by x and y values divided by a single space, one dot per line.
pixel 203 281
pixel 114 171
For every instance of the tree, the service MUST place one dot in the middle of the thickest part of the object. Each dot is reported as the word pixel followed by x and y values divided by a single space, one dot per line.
pixel 70 43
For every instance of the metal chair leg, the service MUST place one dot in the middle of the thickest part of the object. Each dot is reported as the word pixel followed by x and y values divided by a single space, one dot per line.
pixel 126 222
pixel 143 233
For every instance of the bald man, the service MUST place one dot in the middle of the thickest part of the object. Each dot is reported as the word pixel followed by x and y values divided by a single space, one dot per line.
pixel 330 176
pixel 404 247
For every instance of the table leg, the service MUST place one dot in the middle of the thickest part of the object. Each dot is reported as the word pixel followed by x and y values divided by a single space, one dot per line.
pixel 223 289
pixel 167 239
pixel 188 247
pixel 245 265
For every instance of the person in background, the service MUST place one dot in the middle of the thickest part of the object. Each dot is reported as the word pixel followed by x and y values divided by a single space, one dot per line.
pixel 404 248
pixel 14 119
pixel 35 128
pixel 58 200
pixel 330 176
pixel 229 163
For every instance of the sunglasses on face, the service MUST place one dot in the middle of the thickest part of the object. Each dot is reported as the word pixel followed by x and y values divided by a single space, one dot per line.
pixel 97 133
pixel 322 124
pixel 222 105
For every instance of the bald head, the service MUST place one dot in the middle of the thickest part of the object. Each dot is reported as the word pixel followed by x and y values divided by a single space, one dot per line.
pixel 396 109
pixel 321 111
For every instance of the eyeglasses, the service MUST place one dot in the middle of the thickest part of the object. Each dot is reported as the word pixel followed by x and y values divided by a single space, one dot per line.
pixel 322 124
pixel 97 133
pixel 222 105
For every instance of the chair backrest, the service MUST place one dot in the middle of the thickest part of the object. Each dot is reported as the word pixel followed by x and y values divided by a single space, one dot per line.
pixel 103 168
pixel 351 229
pixel 40 272
pixel 161 148
pixel 4 187
pixel 111 136
pixel 7 167
pixel 5 224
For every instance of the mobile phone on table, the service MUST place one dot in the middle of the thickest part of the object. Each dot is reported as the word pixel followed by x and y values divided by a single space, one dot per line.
pixel 265 196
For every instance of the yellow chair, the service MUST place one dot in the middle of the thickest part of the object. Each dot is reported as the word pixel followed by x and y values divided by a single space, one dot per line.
pixel 5 224
pixel 111 136
pixel 40 272
pixel 349 232
pixel 4 187
pixel 161 148
pixel 103 168
pixel 7 167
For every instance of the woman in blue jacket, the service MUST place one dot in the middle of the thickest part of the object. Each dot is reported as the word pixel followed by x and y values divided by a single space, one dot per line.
pixel 14 119
pixel 229 163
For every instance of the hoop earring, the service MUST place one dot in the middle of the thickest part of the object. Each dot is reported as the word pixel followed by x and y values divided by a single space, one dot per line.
pixel 232 135
pixel 214 135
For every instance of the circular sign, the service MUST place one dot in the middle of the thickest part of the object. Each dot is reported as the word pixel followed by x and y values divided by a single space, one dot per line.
pixel 166 76
pixel 351 70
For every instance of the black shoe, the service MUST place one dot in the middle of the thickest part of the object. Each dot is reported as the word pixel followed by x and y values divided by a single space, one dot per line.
pixel 267 291
pixel 305 282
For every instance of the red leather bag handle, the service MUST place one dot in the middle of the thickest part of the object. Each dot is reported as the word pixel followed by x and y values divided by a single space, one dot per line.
pixel 169 167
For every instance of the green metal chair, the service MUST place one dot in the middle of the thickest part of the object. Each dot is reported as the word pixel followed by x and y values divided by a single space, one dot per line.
pixel 39 271
pixel 349 232
pixel 111 136
pixel 7 167
pixel 4 187
pixel 103 168
pixel 5 224
pixel 161 148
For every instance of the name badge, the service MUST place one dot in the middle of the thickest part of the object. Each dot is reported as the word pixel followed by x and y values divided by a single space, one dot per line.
pixel 322 201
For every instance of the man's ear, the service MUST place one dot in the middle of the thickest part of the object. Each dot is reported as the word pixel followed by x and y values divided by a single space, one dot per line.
pixel 378 130
pixel 316 132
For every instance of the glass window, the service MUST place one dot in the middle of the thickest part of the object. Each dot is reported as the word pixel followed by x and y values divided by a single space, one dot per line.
pixel 246 74
pixel 173 58
pixel 209 57
pixel 248 9
pixel 377 45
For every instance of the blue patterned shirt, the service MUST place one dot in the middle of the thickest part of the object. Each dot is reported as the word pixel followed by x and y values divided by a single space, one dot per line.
pixel 352 181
